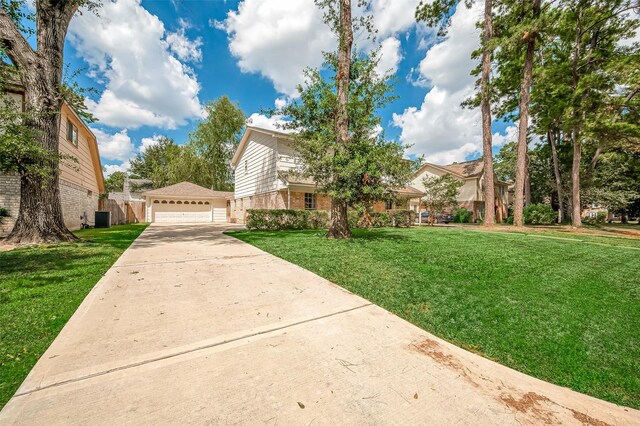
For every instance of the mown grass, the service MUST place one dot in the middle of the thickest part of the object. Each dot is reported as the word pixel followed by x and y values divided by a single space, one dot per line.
pixel 565 311
pixel 41 287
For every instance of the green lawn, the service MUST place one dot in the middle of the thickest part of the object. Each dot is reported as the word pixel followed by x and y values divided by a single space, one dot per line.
pixel 41 287
pixel 565 311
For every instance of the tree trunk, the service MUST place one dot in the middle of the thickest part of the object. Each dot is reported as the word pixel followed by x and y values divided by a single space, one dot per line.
pixel 576 216
pixel 523 125
pixel 40 217
pixel 487 151
pixel 339 225
pixel 527 184
pixel 556 172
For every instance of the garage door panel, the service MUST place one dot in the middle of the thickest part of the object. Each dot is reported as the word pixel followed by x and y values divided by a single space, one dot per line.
pixel 181 213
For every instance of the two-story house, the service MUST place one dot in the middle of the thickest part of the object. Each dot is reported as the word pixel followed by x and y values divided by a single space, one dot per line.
pixel 471 195
pixel 263 164
pixel 80 183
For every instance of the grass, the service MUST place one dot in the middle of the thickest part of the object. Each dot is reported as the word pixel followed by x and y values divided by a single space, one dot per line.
pixel 41 287
pixel 565 311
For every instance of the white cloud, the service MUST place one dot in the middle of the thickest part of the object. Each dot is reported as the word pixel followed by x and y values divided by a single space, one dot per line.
pixel 111 168
pixel 277 39
pixel 185 49
pixel 149 142
pixel 117 147
pixel 440 128
pixel 393 16
pixel 271 123
pixel 390 56
pixel 145 84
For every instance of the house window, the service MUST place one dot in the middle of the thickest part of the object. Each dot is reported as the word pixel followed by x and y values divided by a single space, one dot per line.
pixel 72 133
pixel 388 205
pixel 310 201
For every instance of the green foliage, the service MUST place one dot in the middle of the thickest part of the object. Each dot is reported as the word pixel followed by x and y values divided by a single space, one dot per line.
pixel 539 214
pixel 387 219
pixel 599 219
pixel 205 159
pixel 276 220
pixel 115 182
pixel 440 193
pixel 462 215
pixel 215 140
pixel 154 162
pixel 367 168
pixel 20 148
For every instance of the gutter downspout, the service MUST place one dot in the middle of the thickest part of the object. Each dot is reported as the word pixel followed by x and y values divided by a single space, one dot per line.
pixel 288 197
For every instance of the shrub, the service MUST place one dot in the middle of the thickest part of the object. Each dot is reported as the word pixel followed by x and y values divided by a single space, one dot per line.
pixel 539 214
pixel 388 219
pixel 462 215
pixel 272 220
pixel 599 219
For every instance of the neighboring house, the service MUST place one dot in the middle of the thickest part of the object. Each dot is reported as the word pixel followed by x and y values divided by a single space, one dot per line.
pixel 187 202
pixel 263 166
pixel 80 183
pixel 132 190
pixel 471 195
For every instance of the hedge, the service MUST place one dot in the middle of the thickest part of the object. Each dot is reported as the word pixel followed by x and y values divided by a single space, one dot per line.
pixel 462 215
pixel 539 214
pixel 386 219
pixel 273 220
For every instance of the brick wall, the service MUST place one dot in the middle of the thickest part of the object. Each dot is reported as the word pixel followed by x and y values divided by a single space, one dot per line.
pixel 76 201
pixel 273 200
pixel 10 200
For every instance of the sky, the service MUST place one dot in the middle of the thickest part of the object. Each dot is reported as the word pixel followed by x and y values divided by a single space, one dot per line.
pixel 154 64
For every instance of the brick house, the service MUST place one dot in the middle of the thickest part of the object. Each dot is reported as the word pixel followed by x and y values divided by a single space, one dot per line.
pixel 471 195
pixel 262 167
pixel 80 183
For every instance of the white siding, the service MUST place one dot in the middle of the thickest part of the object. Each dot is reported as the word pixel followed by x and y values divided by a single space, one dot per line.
pixel 468 191
pixel 287 159
pixel 255 172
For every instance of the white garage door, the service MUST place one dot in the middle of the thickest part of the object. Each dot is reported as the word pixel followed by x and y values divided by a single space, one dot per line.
pixel 181 212
pixel 188 211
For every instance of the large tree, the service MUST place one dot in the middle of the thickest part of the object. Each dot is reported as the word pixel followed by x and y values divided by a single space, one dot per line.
pixel 40 72
pixel 438 14
pixel 216 139
pixel 155 162
pixel 364 167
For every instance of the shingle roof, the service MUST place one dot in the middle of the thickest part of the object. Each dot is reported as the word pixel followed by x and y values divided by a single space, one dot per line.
pixel 188 189
pixel 409 190
pixel 466 168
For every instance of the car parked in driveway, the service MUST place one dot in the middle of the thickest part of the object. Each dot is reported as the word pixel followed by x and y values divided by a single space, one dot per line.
pixel 440 218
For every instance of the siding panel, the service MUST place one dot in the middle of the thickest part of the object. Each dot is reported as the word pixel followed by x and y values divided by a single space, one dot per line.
pixel 256 169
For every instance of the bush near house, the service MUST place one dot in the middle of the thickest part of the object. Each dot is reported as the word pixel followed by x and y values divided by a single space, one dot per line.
pixel 539 214
pixel 387 219
pixel 599 219
pixel 462 215
pixel 274 220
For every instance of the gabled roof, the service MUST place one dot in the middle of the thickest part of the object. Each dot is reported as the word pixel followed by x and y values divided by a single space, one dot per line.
pixel 466 168
pixel 409 190
pixel 463 170
pixel 187 189
pixel 245 138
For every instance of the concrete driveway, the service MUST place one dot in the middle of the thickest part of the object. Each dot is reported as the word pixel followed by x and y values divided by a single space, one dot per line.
pixel 194 327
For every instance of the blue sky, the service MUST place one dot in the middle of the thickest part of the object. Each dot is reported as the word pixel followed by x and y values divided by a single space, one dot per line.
pixel 155 63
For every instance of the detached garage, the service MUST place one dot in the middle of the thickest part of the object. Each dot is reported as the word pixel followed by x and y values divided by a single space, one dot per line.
pixel 186 202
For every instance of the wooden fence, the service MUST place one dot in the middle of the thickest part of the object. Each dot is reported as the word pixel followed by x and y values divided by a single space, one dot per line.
pixel 124 211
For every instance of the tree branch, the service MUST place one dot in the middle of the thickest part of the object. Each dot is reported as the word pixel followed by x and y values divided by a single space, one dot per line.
pixel 14 43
